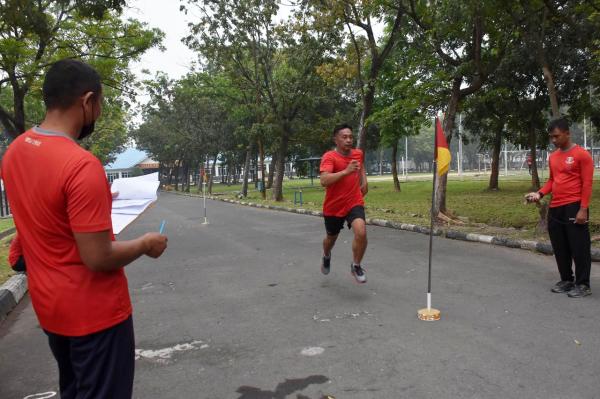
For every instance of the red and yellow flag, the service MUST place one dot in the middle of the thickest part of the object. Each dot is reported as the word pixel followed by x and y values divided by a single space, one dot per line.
pixel 442 152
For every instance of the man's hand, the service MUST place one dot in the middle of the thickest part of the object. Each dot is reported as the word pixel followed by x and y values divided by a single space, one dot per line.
pixel 582 216
pixel 101 254
pixel 364 189
pixel 352 167
pixel 533 197
pixel 156 244
pixel 114 194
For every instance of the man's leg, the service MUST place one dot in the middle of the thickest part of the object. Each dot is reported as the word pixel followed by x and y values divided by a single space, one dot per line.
pixel 328 243
pixel 61 349
pixel 104 362
pixel 356 220
pixel 579 242
pixel 359 244
pixel 333 225
pixel 557 220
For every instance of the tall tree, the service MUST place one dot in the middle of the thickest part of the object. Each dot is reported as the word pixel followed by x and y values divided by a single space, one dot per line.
pixel 275 61
pixel 370 54
pixel 461 44
pixel 33 34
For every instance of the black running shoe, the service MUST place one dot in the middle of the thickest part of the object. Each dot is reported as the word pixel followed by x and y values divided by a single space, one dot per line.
pixel 326 265
pixel 563 287
pixel 579 291
pixel 358 273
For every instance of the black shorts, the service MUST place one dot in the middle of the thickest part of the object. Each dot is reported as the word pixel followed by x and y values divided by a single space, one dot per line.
pixel 96 366
pixel 334 224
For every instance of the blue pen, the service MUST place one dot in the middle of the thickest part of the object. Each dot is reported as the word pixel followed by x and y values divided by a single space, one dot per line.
pixel 162 227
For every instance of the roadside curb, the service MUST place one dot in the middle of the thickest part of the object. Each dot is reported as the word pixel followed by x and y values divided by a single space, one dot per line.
pixel 8 232
pixel 11 292
pixel 535 246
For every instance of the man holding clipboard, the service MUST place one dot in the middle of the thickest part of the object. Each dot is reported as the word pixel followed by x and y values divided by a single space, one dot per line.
pixel 61 203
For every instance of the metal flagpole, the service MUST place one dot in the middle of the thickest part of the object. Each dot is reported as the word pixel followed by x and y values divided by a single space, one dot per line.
pixel 431 235
pixel 430 314
pixel 204 195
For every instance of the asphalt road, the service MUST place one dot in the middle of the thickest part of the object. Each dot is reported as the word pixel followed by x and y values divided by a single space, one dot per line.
pixel 239 309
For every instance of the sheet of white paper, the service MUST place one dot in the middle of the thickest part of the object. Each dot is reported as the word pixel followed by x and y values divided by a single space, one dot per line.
pixel 120 221
pixel 136 194
pixel 135 189
pixel 133 209
pixel 126 203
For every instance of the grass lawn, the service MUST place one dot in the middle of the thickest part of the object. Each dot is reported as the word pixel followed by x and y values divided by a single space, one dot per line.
pixel 5 269
pixel 6 223
pixel 502 212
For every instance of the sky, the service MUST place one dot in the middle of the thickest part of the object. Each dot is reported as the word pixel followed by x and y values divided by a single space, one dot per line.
pixel 177 58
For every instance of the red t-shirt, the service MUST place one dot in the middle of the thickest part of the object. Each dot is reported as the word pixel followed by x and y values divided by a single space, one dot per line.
pixel 56 188
pixel 571 175
pixel 344 194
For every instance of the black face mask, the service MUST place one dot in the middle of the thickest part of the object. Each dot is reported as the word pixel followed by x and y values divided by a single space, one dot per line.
pixel 88 129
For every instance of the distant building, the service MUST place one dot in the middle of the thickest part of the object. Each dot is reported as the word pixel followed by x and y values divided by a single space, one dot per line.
pixel 128 163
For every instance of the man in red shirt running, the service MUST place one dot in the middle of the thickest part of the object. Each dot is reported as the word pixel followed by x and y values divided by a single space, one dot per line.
pixel 343 175
pixel 61 203
pixel 570 182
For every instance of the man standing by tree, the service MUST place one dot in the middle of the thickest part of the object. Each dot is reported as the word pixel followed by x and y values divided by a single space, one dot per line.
pixel 570 182
pixel 61 204
pixel 344 177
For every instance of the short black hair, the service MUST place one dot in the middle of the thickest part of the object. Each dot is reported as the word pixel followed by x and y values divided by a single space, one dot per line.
pixel 68 79
pixel 561 124
pixel 341 126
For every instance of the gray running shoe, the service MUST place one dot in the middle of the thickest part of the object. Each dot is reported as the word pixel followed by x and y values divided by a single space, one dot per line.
pixel 358 273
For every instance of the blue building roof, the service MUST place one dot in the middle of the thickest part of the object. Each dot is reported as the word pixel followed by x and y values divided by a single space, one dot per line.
pixel 127 159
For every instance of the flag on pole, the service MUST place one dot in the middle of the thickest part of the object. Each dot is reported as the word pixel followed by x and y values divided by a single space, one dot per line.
pixel 442 152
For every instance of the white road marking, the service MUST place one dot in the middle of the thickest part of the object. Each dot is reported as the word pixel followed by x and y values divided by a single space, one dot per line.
pixel 43 395
pixel 164 354
pixel 312 351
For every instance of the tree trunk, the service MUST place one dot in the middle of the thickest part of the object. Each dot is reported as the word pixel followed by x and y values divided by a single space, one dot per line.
pixel 255 161
pixel 261 169
pixel 535 178
pixel 277 194
pixel 177 176
pixel 170 175
pixel 366 111
pixel 441 182
pixel 246 171
pixel 496 160
pixel 549 77
pixel 542 225
pixel 542 59
pixel 185 184
pixel 212 173
pixel 19 108
pixel 235 172
pixel 272 171
pixel 395 167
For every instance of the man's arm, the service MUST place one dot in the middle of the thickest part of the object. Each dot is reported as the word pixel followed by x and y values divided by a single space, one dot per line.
pixel 89 210
pixel 587 177
pixel 364 184
pixel 547 189
pixel 101 254
pixel 329 178
pixel 536 196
